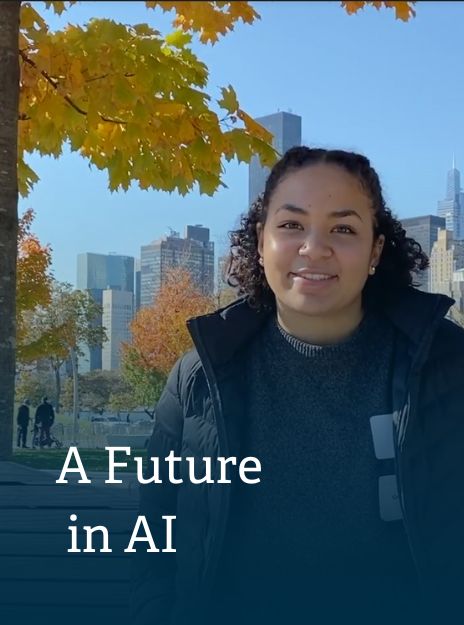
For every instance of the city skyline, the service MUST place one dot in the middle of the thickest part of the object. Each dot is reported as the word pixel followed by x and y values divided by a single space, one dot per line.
pixel 451 208
pixel 423 228
pixel 122 284
pixel 324 85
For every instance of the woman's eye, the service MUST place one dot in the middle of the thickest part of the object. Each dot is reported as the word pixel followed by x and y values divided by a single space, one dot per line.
pixel 290 225
pixel 344 229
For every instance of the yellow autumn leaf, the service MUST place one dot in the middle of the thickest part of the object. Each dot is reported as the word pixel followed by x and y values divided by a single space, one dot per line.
pixel 30 17
pixel 208 182
pixel 229 100
pixel 59 7
pixel 266 153
pixel 26 178
pixel 75 73
pixel 209 19
pixel 174 109
pixel 178 39
pixel 403 10
pixel 240 143
pixel 93 115
pixel 254 128
pixel 352 7
pixel 144 30
pixel 186 130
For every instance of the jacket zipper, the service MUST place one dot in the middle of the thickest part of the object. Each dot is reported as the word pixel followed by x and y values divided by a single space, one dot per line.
pixel 409 529
pixel 412 394
pixel 223 448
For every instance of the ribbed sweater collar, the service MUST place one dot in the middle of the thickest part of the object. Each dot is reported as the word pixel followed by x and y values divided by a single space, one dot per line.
pixel 357 337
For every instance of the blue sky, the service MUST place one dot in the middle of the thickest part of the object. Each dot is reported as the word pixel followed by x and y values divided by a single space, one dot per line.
pixel 391 90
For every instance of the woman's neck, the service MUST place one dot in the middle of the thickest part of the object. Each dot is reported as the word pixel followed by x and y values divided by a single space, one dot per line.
pixel 320 330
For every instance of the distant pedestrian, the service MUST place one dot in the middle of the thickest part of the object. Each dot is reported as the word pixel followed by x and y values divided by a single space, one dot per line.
pixel 22 420
pixel 44 418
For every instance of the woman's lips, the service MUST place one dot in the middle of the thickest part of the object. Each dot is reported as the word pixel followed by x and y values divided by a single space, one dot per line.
pixel 313 275
pixel 313 279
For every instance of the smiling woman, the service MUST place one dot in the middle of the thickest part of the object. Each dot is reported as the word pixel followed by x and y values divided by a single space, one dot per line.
pixel 345 382
pixel 332 203
pixel 317 247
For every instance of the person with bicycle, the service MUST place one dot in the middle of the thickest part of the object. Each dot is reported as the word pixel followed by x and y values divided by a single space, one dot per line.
pixel 44 419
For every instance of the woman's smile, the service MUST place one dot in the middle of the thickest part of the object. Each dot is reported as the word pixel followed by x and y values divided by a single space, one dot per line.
pixel 312 281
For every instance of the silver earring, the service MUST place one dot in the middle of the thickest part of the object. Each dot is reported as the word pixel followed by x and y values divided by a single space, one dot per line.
pixel 372 270
pixel 261 261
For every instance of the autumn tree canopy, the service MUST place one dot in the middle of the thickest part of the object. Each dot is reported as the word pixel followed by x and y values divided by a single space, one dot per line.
pixel 34 385
pixel 65 323
pixel 34 279
pixel 58 330
pixel 97 390
pixel 159 332
pixel 132 101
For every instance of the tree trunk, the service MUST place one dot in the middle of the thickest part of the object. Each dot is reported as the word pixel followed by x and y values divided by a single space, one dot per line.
pixel 75 394
pixel 57 388
pixel 9 106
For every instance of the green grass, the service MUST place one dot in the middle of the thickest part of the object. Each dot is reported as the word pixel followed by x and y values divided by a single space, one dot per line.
pixel 92 459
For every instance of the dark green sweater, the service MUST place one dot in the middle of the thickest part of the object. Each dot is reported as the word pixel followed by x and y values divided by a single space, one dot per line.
pixel 310 538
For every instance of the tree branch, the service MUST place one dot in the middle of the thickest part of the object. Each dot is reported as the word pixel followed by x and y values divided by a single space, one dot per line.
pixel 55 84
pixel 126 75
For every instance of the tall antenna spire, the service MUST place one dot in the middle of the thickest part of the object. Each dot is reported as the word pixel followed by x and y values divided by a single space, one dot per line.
pixel 454 162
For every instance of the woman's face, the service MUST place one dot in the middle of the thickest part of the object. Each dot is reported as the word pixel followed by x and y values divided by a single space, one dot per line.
pixel 318 243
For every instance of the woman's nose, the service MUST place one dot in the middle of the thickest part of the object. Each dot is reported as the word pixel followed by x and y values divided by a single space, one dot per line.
pixel 315 245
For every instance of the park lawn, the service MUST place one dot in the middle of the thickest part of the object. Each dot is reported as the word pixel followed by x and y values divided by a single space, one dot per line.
pixel 92 459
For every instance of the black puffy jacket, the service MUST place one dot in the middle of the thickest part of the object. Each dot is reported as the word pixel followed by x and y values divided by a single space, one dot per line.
pixel 199 415
pixel 45 414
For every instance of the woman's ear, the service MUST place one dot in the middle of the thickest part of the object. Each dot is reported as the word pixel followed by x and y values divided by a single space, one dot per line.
pixel 377 250
pixel 260 234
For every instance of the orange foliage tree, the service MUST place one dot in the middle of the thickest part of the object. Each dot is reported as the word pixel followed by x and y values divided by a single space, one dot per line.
pixel 403 10
pixel 33 286
pixel 159 332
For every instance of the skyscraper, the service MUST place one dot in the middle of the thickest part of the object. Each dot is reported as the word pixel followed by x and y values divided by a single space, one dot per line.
pixel 118 310
pixel 457 290
pixel 424 230
pixel 103 271
pixel 96 273
pixel 137 285
pixel 286 128
pixel 451 208
pixel 447 257
pixel 195 252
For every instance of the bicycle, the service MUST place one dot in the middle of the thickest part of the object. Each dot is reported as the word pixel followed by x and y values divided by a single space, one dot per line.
pixel 37 440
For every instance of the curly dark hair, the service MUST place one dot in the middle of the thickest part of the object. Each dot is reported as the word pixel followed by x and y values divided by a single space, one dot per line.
pixel 401 256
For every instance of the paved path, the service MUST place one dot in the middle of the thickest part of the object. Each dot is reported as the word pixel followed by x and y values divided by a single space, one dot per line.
pixel 40 582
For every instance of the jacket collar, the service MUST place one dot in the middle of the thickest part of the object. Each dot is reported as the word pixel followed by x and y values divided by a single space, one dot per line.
pixel 416 313
pixel 224 333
